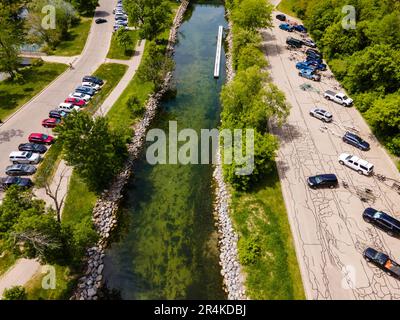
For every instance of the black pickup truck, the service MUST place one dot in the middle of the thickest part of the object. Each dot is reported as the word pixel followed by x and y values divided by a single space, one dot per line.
pixel 383 262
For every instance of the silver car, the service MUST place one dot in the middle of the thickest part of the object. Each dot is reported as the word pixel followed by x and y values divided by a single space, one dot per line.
pixel 321 114
pixel 20 170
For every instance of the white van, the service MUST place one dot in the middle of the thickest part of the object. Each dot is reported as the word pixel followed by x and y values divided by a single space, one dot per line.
pixel 67 107
pixel 24 157
pixel 355 163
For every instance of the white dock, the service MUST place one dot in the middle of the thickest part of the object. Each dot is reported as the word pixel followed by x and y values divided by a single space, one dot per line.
pixel 218 53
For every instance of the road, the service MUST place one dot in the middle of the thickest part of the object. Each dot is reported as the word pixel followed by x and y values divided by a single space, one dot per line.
pixel 28 118
pixel 329 232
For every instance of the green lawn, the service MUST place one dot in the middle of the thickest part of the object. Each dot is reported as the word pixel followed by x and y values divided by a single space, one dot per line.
pixel 48 166
pixel 14 94
pixel 262 213
pixel 79 201
pixel 118 52
pixel 76 40
pixel 286 6
pixel 111 73
pixel 65 283
pixel 7 261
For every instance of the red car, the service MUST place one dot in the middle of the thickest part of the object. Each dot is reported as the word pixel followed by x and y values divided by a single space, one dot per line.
pixel 40 138
pixel 75 101
pixel 50 123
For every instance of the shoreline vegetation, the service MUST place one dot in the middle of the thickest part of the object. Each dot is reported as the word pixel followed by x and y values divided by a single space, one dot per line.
pixel 265 246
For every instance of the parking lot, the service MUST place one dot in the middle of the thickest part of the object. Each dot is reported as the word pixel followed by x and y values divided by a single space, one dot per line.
pixel 329 232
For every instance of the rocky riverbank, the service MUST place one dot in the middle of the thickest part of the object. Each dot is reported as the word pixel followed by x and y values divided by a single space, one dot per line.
pixel 229 260
pixel 105 212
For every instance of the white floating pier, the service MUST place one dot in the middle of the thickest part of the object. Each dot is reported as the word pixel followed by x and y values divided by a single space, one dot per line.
pixel 218 53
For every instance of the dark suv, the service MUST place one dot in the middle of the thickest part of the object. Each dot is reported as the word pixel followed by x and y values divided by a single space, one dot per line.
pixel 93 79
pixel 383 221
pixel 323 181
pixel 314 53
pixel 294 42
pixel 355 141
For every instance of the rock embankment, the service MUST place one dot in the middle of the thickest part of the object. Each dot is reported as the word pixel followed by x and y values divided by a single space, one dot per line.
pixel 106 209
pixel 228 238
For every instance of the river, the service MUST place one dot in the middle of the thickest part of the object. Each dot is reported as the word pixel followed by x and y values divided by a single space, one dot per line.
pixel 166 245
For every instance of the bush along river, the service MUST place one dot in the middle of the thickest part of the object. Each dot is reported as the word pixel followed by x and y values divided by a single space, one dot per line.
pixel 166 246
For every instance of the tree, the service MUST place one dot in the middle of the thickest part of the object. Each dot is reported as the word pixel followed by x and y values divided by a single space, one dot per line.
pixel 54 195
pixel 66 16
pixel 96 152
pixel 38 236
pixel 152 16
pixel 124 39
pixel 251 56
pixel 253 14
pixel 243 37
pixel 18 202
pixel 15 293
pixel 85 7
pixel 154 65
pixel 11 38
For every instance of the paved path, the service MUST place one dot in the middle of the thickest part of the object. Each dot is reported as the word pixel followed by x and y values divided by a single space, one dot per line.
pixel 329 232
pixel 27 119
pixel 19 274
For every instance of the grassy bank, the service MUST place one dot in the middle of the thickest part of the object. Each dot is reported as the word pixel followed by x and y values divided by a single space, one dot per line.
pixel 261 214
pixel 76 40
pixel 15 93
pixel 111 73
pixel 118 52
pixel 48 166
pixel 288 7
pixel 6 261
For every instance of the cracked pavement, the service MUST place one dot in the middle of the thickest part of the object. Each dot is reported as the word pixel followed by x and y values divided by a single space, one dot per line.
pixel 327 226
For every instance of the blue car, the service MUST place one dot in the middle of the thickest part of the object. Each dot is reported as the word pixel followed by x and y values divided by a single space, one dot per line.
pixel 85 90
pixel 314 58
pixel 300 28
pixel 311 64
pixel 309 74
pixel 285 26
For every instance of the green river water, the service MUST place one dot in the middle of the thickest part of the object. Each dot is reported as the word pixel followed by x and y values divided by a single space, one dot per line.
pixel 166 247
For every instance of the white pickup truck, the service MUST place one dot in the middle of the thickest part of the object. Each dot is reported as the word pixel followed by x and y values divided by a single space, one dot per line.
pixel 340 98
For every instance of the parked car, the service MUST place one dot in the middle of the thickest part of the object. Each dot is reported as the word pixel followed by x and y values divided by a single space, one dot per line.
pixel 122 23
pixel 355 163
pixel 383 221
pixel 57 114
pixel 68 107
pixel 75 101
pixel 122 17
pixel 313 52
pixel 300 28
pixel 116 27
pixel 309 43
pixel 281 17
pixel 93 79
pixel 33 147
pixel 50 122
pixel 86 90
pixel 317 64
pixel 309 74
pixel 20 170
pixel 40 138
pixel 382 261
pixel 80 95
pixel 356 141
pixel 305 65
pixel 286 27
pixel 314 58
pixel 18 181
pixel 339 98
pixel 100 20
pixel 91 85
pixel 24 157
pixel 321 114
pixel 323 181
pixel 294 42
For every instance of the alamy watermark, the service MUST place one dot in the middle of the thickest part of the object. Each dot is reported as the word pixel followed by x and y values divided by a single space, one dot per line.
pixel 49 20
pixel 349 21
pixel 237 147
